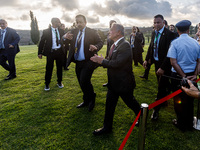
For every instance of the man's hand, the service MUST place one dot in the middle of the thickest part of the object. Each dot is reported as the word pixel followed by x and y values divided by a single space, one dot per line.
pixel 97 59
pixel 160 72
pixel 192 91
pixel 40 56
pixel 11 46
pixel 92 48
pixel 145 64
pixel 192 78
pixel 68 35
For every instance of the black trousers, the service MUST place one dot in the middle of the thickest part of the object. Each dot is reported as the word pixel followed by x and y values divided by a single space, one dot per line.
pixel 183 104
pixel 58 56
pixel 164 85
pixel 111 102
pixel 146 72
pixel 84 71
pixel 10 66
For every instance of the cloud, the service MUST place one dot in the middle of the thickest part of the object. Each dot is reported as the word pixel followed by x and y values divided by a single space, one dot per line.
pixel 25 17
pixel 9 3
pixel 187 12
pixel 67 4
pixel 142 9
pixel 93 19
pixel 66 17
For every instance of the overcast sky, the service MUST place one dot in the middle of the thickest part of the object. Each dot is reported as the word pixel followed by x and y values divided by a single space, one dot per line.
pixel 98 13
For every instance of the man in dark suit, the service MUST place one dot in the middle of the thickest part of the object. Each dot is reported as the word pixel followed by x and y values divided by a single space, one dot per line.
pixel 84 43
pixel 50 46
pixel 157 54
pixel 121 80
pixel 9 40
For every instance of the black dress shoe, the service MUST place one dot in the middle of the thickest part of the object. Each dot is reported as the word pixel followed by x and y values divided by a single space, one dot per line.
pixel 92 103
pixel 143 77
pixel 10 77
pixel 137 123
pixel 101 131
pixel 91 106
pixel 106 84
pixel 154 115
pixel 175 123
pixel 81 105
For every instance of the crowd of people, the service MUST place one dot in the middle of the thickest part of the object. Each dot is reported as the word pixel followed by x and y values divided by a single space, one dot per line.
pixel 174 54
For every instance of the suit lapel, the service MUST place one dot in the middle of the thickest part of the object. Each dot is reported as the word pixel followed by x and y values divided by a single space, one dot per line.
pixel 86 34
pixel 115 49
pixel 50 36
pixel 161 38
pixel 6 35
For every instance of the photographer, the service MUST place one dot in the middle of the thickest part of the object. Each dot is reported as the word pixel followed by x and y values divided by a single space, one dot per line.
pixel 184 54
pixel 192 91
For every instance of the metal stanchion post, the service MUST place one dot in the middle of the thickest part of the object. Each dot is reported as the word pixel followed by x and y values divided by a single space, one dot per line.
pixel 196 124
pixel 142 126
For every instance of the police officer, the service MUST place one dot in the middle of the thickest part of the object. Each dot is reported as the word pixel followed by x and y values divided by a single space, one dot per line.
pixel 184 54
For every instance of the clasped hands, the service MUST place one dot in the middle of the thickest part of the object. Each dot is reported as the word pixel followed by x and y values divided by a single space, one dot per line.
pixel 97 59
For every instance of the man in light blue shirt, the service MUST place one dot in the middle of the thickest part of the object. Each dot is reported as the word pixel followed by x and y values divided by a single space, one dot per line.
pixel 184 54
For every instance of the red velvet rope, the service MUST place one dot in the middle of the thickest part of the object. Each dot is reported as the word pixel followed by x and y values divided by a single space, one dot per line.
pixel 129 132
pixel 156 103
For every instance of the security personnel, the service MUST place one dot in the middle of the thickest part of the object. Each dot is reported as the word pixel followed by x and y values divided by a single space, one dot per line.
pixel 184 54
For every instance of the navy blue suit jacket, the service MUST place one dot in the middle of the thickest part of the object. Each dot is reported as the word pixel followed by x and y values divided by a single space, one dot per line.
pixel 11 38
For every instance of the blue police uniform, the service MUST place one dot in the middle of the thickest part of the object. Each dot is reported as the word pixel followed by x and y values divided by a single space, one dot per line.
pixel 186 51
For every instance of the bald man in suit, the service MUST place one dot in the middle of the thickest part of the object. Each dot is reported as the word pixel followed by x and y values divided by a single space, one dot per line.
pixel 8 48
pixel 84 43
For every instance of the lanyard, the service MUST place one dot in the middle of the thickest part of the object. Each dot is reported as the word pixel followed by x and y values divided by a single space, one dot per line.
pixel 156 38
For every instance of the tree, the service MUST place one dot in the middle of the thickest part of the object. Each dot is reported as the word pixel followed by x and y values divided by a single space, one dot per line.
pixel 35 33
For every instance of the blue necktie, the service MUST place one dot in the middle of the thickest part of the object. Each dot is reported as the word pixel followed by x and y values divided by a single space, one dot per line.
pixel 78 46
pixel 1 39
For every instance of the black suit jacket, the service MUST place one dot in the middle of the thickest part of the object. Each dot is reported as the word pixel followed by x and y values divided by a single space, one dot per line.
pixel 45 44
pixel 91 37
pixel 120 74
pixel 166 37
pixel 11 37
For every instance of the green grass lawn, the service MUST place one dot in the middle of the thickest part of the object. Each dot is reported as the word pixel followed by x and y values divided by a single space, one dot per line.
pixel 32 119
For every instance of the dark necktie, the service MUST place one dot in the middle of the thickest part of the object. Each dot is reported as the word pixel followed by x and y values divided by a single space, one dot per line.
pixel 156 44
pixel 78 46
pixel 111 50
pixel 57 43
pixel 1 39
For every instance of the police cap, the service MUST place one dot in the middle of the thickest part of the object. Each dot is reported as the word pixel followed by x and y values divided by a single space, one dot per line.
pixel 183 25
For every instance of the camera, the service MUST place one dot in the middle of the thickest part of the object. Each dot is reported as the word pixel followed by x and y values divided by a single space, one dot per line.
pixel 185 83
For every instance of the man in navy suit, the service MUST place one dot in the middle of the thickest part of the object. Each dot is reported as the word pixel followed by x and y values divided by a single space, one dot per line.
pixel 9 40
pixel 121 80
pixel 84 43
pixel 50 46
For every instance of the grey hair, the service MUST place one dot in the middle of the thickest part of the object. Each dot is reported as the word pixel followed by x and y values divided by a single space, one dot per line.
pixel 119 27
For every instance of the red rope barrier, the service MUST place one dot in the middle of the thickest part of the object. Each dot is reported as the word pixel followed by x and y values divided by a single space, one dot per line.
pixel 160 101
pixel 156 103
pixel 129 132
